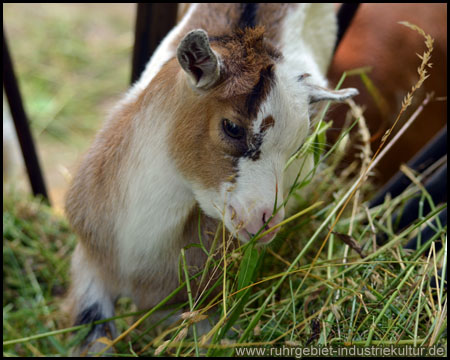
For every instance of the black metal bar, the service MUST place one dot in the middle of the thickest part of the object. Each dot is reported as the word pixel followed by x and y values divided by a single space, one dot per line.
pixel 430 153
pixel 434 283
pixel 153 22
pixel 21 124
pixel 345 16
pixel 436 186
pixel 427 233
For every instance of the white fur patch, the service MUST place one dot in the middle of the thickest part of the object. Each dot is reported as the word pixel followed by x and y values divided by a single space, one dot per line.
pixel 88 286
pixel 308 38
pixel 158 201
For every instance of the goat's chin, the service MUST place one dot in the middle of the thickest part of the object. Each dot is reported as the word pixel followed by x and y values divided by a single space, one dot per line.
pixel 243 236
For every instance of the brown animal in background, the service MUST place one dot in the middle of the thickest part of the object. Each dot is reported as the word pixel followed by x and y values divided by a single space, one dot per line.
pixel 375 39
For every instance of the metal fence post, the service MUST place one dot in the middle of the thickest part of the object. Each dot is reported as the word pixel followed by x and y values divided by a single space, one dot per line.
pixel 21 124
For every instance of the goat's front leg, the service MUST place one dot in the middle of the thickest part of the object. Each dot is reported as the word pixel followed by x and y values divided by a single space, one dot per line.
pixel 90 301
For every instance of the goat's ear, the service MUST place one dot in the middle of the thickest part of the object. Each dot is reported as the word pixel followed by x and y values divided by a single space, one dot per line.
pixel 318 93
pixel 198 60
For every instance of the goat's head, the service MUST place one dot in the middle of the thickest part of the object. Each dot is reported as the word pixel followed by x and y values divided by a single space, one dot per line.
pixel 243 116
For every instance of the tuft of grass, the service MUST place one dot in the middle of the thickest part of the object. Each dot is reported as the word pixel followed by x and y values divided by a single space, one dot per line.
pixel 324 280
pixel 36 247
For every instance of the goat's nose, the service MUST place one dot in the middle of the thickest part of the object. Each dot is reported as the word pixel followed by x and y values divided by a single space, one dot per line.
pixel 269 220
pixel 266 226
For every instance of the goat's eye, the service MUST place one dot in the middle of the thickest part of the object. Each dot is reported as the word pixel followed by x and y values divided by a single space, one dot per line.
pixel 232 130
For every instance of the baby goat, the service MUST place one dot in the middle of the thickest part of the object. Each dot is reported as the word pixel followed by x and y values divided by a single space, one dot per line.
pixel 206 131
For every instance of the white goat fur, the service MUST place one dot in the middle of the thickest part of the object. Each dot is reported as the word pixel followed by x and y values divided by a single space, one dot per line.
pixel 132 230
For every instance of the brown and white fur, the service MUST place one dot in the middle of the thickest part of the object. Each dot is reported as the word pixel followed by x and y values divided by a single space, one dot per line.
pixel 165 156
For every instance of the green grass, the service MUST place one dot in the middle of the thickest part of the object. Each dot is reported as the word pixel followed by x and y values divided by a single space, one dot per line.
pixel 284 294
pixel 37 246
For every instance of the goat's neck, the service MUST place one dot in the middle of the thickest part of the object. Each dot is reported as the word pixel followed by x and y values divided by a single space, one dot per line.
pixel 158 199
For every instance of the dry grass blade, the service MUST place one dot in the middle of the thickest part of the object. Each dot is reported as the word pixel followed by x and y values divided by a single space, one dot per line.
pixel 407 101
pixel 350 242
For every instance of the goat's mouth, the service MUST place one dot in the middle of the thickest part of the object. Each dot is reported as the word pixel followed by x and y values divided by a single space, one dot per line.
pixel 246 236
pixel 262 224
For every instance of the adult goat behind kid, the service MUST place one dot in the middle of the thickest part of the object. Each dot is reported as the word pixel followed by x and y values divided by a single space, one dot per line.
pixel 206 131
